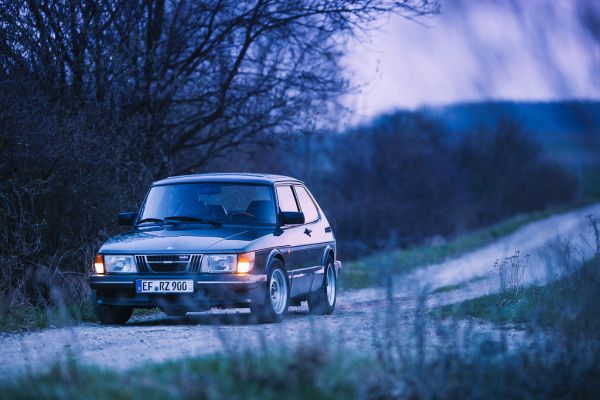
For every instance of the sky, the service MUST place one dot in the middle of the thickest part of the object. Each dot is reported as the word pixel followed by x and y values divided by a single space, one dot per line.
pixel 477 50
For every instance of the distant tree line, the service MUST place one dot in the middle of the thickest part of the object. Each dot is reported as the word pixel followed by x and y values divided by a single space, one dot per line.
pixel 404 179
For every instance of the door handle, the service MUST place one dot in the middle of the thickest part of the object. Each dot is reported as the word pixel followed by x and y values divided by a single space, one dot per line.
pixel 328 229
pixel 307 231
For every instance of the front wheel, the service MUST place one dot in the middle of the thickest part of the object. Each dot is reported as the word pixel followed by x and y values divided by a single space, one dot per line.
pixel 276 298
pixel 111 315
pixel 323 300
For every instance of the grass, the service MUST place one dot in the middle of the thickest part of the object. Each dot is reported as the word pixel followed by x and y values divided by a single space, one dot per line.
pixel 309 372
pixel 29 317
pixel 449 288
pixel 458 286
pixel 305 373
pixel 374 270
pixel 568 304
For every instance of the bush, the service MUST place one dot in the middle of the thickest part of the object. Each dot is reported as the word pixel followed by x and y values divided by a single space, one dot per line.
pixel 62 183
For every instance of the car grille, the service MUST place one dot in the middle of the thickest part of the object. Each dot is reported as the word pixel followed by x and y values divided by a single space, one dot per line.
pixel 168 263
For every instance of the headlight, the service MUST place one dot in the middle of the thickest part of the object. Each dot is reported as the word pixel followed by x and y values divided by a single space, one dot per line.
pixel 219 263
pixel 242 263
pixel 122 264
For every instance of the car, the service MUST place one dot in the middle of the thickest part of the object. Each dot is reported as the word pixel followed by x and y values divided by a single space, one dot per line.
pixel 228 240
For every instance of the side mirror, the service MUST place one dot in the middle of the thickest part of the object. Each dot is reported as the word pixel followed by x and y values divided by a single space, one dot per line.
pixel 291 218
pixel 127 218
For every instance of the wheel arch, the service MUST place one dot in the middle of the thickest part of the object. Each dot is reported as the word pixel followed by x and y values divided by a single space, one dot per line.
pixel 273 255
pixel 328 252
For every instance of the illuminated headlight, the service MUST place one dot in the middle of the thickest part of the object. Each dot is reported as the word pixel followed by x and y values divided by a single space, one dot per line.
pixel 220 263
pixel 242 263
pixel 119 264
pixel 245 263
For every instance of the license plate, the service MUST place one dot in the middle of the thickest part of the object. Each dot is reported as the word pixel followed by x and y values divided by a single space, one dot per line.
pixel 164 286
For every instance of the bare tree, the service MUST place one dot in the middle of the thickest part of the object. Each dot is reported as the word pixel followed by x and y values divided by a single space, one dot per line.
pixel 198 77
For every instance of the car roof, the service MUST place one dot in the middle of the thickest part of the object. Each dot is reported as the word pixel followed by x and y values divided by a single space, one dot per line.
pixel 227 177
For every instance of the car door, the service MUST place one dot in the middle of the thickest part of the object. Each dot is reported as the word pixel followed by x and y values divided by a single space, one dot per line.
pixel 315 237
pixel 296 240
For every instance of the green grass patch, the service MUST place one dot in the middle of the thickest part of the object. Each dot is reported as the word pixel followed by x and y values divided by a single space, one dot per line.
pixel 452 288
pixel 471 372
pixel 449 288
pixel 501 307
pixel 373 270
pixel 30 317
pixel 306 373
pixel 568 304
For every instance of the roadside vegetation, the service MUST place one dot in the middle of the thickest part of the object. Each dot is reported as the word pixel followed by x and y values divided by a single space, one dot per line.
pixel 568 304
pixel 446 360
pixel 375 269
pixel 457 286
pixel 27 317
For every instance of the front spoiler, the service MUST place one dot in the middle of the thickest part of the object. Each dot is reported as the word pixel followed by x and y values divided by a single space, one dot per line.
pixel 209 290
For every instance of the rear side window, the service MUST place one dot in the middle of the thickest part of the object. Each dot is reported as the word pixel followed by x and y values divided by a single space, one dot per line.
pixel 286 199
pixel 306 204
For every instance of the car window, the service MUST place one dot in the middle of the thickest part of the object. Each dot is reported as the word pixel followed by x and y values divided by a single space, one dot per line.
pixel 223 202
pixel 286 199
pixel 306 204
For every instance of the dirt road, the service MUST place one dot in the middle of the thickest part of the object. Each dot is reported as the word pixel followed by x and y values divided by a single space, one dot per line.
pixel 359 313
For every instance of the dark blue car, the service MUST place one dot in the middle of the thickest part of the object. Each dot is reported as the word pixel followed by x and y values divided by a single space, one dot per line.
pixel 226 240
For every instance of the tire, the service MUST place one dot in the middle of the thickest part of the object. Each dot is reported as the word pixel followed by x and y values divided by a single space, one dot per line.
pixel 322 302
pixel 111 315
pixel 277 296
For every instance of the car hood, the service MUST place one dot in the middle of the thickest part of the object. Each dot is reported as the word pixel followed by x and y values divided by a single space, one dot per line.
pixel 180 239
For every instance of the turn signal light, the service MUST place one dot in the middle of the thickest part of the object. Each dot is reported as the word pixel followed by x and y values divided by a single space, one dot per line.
pixel 245 263
pixel 99 264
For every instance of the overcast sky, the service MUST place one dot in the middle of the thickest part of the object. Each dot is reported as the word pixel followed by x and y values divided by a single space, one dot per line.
pixel 476 50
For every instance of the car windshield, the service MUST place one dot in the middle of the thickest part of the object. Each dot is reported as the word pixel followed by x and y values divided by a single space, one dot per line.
pixel 210 202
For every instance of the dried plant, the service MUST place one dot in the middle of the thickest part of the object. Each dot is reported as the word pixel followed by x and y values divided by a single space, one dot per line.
pixel 512 272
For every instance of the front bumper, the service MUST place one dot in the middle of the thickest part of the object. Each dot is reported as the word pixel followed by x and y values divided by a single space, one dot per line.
pixel 210 290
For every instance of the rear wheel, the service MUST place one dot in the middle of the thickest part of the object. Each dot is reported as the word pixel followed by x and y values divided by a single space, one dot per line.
pixel 111 315
pixel 323 300
pixel 276 297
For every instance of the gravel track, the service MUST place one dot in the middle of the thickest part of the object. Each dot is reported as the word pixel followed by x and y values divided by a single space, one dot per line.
pixel 359 315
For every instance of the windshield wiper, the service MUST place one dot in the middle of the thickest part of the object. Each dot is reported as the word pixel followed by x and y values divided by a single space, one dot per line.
pixel 184 218
pixel 151 220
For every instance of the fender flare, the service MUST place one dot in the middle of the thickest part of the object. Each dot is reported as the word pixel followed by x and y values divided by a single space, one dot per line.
pixel 328 249
pixel 274 253
pixel 325 255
